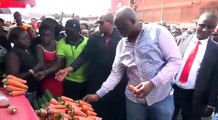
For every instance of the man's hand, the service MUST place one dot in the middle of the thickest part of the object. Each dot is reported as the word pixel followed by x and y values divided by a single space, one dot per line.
pixel 61 74
pixel 91 98
pixel 40 75
pixel 144 88
pixel 206 111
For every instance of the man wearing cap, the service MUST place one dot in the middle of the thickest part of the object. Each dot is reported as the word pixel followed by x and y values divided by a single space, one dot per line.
pixel 68 49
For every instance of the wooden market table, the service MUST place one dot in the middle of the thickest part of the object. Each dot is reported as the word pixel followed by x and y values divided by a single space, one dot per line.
pixel 24 109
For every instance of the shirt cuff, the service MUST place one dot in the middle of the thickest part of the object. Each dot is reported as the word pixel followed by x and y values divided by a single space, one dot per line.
pixel 74 66
pixel 157 81
pixel 101 92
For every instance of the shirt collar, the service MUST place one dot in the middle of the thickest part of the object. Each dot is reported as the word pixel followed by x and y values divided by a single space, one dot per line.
pixel 202 41
pixel 140 34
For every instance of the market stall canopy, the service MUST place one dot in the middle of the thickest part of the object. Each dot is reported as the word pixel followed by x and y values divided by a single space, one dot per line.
pixel 16 3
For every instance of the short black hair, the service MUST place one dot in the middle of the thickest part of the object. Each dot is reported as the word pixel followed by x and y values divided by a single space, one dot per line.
pixel 1 20
pixel 45 27
pixel 15 33
pixel 86 25
pixel 16 13
pixel 54 24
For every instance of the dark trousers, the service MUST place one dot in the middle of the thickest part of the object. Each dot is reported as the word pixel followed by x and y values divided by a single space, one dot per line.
pixel 113 105
pixel 110 110
pixel 183 102
pixel 74 90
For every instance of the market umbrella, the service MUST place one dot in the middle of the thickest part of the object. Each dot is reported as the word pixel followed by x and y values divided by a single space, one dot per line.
pixel 32 3
pixel 16 3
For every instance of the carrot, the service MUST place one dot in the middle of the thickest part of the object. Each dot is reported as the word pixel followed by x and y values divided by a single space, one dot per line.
pixel 16 78
pixel 43 112
pixel 73 106
pixel 84 103
pixel 13 88
pixel 66 116
pixel 91 113
pixel 4 105
pixel 54 101
pixel 57 107
pixel 91 118
pixel 61 116
pixel 17 93
pixel 79 113
pixel 97 118
pixel 56 111
pixel 76 104
pixel 78 118
pixel 64 98
pixel 16 83
pixel 50 118
pixel 85 107
pixel 12 109
pixel 132 88
pixel 64 109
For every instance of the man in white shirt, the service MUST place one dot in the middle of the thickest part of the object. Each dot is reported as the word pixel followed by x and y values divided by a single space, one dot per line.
pixel 196 82
pixel 150 64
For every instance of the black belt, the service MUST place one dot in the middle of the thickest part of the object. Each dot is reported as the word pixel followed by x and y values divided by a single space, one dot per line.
pixel 177 88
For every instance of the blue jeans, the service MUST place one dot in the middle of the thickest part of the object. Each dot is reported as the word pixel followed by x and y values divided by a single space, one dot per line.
pixel 162 110
pixel 215 117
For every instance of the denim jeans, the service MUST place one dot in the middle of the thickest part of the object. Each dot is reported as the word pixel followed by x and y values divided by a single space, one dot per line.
pixel 215 117
pixel 162 110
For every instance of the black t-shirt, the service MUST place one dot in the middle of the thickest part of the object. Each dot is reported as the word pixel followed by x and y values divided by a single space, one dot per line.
pixel 27 61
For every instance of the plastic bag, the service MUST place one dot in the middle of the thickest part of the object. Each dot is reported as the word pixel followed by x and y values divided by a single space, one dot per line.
pixel 3 98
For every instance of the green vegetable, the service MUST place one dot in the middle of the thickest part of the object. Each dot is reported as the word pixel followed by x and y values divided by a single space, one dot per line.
pixel 58 116
pixel 60 100
pixel 40 103
pixel 35 105
pixel 48 95
pixel 44 99
pixel 38 112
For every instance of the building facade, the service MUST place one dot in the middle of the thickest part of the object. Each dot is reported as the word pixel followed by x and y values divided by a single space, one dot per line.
pixel 171 11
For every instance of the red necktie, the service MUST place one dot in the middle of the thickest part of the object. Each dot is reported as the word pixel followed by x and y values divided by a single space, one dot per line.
pixel 188 64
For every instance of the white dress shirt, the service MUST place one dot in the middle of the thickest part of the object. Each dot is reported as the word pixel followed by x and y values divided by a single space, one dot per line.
pixel 152 48
pixel 190 84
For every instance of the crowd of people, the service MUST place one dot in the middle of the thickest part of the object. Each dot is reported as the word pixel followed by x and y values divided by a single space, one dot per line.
pixel 174 70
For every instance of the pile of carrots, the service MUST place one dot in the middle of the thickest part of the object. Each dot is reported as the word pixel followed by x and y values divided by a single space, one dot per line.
pixel 14 85
pixel 64 108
